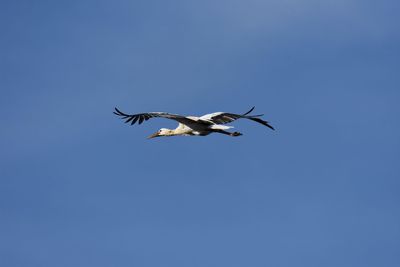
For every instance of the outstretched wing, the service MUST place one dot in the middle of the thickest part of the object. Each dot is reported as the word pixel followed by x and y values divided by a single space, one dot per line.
pixel 224 117
pixel 141 117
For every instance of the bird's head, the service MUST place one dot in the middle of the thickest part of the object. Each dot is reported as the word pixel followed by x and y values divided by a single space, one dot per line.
pixel 161 132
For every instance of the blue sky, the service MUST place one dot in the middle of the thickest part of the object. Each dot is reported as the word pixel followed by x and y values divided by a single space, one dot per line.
pixel 80 188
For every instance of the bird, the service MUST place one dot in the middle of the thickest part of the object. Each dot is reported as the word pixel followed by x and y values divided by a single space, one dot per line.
pixel 191 125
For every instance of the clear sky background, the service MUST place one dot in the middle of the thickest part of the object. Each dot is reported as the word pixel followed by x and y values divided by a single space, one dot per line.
pixel 80 188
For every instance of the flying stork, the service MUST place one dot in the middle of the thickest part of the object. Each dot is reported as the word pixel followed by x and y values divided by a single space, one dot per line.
pixel 190 125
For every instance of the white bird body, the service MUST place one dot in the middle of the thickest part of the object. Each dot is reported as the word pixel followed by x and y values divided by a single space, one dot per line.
pixel 191 125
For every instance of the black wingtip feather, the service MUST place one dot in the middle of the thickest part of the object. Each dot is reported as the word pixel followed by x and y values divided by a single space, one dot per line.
pixel 120 113
pixel 141 119
pixel 270 126
pixel 129 119
pixel 135 120
pixel 262 122
pixel 249 111
pixel 117 111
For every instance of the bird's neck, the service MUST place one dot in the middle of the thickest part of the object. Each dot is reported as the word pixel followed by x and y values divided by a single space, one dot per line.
pixel 176 132
pixel 170 133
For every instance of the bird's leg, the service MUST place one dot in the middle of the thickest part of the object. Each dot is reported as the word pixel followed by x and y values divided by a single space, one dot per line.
pixel 236 134
pixel 228 133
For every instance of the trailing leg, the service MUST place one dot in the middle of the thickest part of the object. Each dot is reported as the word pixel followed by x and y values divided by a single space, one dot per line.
pixel 236 134
pixel 228 133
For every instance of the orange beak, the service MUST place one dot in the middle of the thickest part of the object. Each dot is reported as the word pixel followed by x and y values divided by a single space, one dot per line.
pixel 153 135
